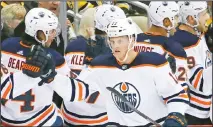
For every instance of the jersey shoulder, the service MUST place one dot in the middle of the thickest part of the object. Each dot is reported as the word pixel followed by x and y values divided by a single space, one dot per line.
pixel 185 38
pixel 175 48
pixel 11 44
pixel 76 45
pixel 104 60
pixel 14 46
pixel 151 38
pixel 150 59
pixel 57 57
pixel 143 58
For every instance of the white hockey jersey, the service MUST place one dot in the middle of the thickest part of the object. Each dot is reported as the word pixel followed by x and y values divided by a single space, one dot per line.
pixel 197 54
pixel 32 107
pixel 152 42
pixel 13 87
pixel 81 113
pixel 201 80
pixel 147 83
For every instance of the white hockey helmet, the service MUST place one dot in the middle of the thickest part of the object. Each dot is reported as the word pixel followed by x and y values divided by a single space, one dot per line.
pixel 123 27
pixel 105 13
pixel 191 8
pixel 40 19
pixel 159 10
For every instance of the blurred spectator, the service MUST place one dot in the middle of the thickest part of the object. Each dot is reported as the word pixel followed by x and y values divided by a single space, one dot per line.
pixel 83 5
pixel 27 4
pixel 11 16
pixel 53 6
pixel 5 3
pixel 87 24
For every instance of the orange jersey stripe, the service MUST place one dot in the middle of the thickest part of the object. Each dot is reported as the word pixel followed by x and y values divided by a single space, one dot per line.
pixel 24 45
pixel 7 91
pixel 183 96
pixel 57 67
pixel 80 96
pixel 42 116
pixel 200 101
pixel 151 65
pixel 197 78
pixel 82 53
pixel 85 122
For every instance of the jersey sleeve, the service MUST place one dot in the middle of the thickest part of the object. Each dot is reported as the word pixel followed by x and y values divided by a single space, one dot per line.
pixel 16 84
pixel 172 92
pixel 63 69
pixel 201 79
pixel 71 89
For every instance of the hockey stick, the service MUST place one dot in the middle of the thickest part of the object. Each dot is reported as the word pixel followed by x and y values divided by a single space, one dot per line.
pixel 131 106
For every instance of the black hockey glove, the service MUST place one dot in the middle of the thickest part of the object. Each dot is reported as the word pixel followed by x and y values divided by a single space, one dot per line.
pixel 172 63
pixel 49 71
pixel 175 119
pixel 36 61
pixel 95 48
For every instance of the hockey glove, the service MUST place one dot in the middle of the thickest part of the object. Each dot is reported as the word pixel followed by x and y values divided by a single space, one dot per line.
pixel 95 48
pixel 49 71
pixel 175 119
pixel 172 63
pixel 35 62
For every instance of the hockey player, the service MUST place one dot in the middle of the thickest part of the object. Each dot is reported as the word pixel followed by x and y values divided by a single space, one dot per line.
pixel 83 113
pixel 163 17
pixel 41 25
pixel 129 73
pixel 38 69
pixel 190 35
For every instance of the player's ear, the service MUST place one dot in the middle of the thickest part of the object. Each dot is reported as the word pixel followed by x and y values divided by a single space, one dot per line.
pixel 167 22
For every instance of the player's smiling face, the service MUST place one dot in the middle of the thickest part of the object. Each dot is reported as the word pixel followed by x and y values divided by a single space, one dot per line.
pixel 119 46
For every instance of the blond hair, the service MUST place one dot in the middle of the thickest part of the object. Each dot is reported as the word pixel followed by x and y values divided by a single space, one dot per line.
pixel 12 11
pixel 87 21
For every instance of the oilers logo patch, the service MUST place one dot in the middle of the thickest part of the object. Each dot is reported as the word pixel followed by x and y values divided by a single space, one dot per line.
pixel 208 61
pixel 130 93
